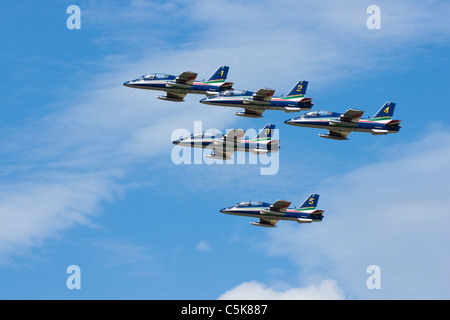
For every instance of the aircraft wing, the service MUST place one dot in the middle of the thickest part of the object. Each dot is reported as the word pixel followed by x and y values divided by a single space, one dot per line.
pixel 263 94
pixel 186 77
pixel 280 205
pixel 351 115
pixel 235 135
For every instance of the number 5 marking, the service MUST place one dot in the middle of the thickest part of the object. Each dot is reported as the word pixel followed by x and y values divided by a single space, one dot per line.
pixel 311 201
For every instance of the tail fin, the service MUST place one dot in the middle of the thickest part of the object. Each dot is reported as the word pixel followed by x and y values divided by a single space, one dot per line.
pixel 310 202
pixel 298 89
pixel 265 133
pixel 386 111
pixel 220 74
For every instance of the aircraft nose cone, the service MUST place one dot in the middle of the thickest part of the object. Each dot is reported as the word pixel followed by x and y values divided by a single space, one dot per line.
pixel 176 142
pixel 224 210
pixel 127 84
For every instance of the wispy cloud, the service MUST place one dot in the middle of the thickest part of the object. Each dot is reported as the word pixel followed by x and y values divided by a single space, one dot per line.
pixel 203 246
pixel 34 211
pixel 64 166
pixel 139 260
pixel 400 225
pixel 325 290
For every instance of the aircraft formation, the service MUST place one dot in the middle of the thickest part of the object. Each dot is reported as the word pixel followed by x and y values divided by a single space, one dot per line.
pixel 219 92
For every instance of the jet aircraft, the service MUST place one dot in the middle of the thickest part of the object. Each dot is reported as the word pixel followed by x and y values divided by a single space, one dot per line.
pixel 269 214
pixel 255 103
pixel 177 87
pixel 224 146
pixel 340 125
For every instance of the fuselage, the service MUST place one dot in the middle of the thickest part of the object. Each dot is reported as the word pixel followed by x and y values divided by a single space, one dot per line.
pixel 330 120
pixel 215 141
pixel 261 210
pixel 243 99
pixel 165 82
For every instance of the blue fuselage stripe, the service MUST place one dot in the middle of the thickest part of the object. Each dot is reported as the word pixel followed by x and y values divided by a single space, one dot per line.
pixel 288 215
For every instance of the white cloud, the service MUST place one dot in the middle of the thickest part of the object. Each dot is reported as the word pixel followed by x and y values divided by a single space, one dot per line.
pixel 392 213
pixel 66 165
pixel 31 212
pixel 254 290
pixel 203 246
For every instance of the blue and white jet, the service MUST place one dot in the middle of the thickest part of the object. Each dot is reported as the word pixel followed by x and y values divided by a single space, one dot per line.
pixel 224 146
pixel 340 125
pixel 255 103
pixel 270 214
pixel 177 87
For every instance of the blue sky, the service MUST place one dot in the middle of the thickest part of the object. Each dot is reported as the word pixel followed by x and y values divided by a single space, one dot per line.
pixel 87 177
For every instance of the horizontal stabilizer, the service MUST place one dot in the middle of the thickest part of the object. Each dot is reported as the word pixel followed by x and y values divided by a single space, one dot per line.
pixel 306 105
pixel 393 122
pixel 222 87
pixel 226 86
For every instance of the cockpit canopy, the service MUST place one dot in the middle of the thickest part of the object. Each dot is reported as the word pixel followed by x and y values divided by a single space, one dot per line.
pixel 205 135
pixel 154 76
pixel 253 204
pixel 318 114
pixel 235 93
